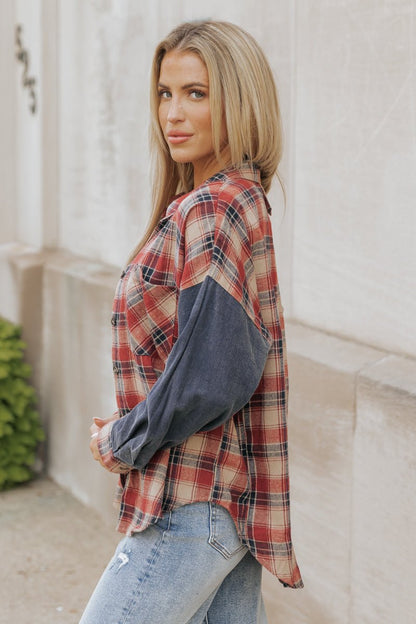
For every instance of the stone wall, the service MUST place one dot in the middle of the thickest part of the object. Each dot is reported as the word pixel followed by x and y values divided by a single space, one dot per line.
pixel 354 154
pixel 75 196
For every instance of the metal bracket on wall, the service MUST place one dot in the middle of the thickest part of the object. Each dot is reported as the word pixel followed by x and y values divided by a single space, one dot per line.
pixel 28 82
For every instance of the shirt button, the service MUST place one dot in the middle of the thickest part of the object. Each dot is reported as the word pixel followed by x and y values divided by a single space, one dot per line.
pixel 114 320
pixel 122 275
pixel 116 370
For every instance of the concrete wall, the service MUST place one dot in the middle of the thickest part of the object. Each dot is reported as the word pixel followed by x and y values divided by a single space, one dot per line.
pixel 75 197
pixel 8 160
pixel 355 158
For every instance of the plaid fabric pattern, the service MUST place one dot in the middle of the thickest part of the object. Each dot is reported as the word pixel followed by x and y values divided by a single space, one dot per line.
pixel 221 230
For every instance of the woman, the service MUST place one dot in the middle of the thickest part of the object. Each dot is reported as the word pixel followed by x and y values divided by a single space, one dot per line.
pixel 199 358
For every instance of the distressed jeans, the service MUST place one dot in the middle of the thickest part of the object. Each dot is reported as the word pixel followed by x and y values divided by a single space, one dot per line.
pixel 188 568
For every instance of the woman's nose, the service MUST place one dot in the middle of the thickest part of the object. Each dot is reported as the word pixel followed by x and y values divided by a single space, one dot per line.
pixel 175 112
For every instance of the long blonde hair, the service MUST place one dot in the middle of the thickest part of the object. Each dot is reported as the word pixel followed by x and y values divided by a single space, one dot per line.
pixel 241 87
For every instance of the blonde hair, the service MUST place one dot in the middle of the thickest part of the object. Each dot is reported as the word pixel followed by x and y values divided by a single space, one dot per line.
pixel 241 88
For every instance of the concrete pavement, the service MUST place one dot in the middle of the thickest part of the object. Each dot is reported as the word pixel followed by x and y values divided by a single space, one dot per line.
pixel 53 550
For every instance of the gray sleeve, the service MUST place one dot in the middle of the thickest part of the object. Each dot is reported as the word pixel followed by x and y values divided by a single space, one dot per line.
pixel 212 371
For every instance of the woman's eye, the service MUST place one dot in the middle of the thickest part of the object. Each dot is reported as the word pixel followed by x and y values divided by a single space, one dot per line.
pixel 197 95
pixel 163 94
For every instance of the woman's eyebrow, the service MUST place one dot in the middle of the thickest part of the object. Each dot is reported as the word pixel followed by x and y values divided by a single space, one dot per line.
pixel 185 86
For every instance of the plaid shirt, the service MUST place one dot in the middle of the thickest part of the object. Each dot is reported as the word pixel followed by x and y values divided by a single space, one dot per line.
pixel 200 369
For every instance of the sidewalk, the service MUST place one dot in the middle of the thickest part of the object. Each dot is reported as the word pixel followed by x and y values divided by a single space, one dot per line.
pixel 53 550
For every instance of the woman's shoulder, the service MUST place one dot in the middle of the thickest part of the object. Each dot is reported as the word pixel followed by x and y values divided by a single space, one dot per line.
pixel 238 187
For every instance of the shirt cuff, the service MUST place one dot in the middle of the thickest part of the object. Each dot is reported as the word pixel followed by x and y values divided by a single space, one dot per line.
pixel 104 448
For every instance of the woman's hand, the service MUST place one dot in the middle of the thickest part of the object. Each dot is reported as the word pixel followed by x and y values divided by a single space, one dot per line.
pixel 95 429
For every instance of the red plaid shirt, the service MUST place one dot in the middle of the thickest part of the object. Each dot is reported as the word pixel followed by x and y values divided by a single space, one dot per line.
pixel 214 249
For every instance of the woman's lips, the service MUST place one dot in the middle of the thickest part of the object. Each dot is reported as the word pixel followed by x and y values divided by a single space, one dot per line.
pixel 175 139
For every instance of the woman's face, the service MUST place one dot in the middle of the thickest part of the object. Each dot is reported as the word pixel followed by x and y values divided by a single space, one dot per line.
pixel 185 113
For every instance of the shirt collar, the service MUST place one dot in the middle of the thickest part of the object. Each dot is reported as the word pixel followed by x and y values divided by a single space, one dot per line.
pixel 247 169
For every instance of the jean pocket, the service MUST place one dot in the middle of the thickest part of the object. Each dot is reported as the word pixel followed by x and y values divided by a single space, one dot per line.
pixel 223 535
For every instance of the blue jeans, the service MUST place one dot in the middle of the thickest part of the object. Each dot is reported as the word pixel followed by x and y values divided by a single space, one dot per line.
pixel 188 568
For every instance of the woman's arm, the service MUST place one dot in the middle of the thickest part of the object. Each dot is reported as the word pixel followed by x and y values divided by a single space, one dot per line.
pixel 214 368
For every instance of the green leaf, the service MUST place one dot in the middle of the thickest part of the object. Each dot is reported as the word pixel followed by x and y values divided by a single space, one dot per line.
pixel 20 427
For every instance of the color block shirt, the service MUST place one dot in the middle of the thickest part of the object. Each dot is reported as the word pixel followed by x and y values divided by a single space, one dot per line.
pixel 199 362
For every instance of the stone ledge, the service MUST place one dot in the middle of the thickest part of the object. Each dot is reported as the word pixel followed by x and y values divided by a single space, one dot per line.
pixel 17 261
pixel 397 373
pixel 21 274
pixel 63 303
pixel 86 270
pixel 329 350
pixel 77 381
pixel 384 494
pixel 342 397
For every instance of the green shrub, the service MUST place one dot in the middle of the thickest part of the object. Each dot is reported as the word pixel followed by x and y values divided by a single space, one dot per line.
pixel 20 428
